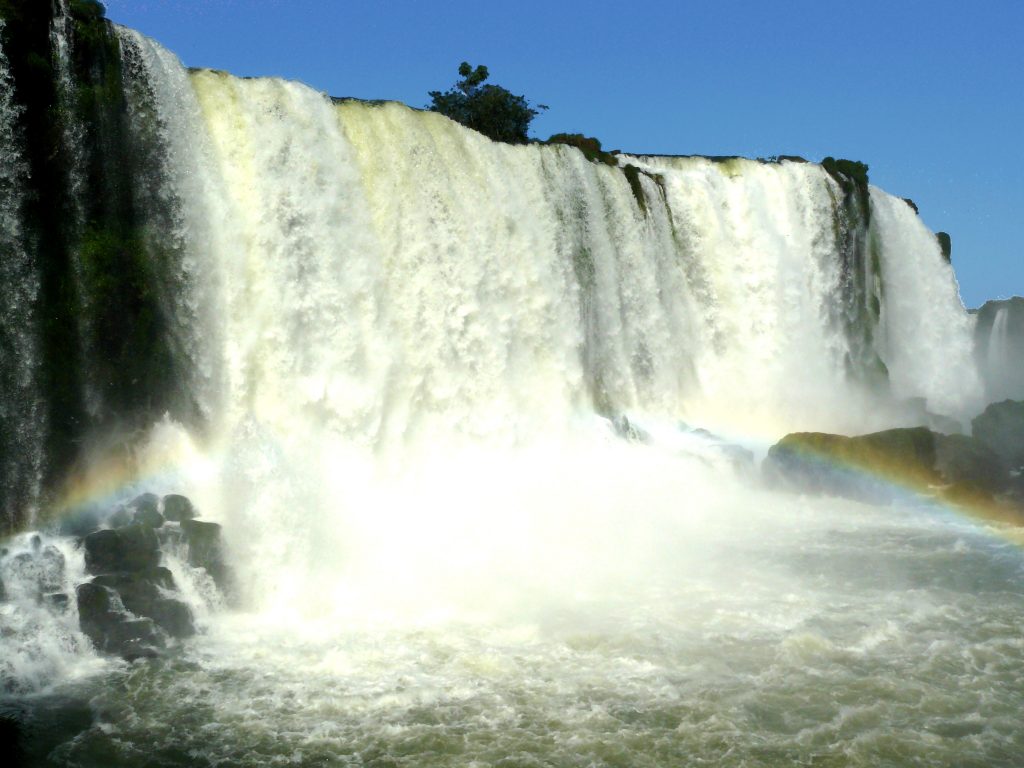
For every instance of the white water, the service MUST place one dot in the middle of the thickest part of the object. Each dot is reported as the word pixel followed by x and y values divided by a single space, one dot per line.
pixel 445 556
pixel 392 315
pixel 21 414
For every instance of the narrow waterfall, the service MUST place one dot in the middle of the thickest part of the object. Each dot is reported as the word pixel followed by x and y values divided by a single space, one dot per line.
pixel 21 404
pixel 999 348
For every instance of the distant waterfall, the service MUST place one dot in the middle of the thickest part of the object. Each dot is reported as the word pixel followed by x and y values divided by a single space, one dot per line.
pixel 999 348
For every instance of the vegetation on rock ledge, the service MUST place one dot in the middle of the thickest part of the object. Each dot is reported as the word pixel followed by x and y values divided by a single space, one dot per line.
pixel 489 109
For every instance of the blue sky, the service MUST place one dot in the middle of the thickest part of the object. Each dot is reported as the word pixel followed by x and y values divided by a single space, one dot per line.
pixel 929 93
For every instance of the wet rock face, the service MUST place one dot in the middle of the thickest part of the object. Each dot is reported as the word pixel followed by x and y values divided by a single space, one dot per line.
pixel 178 508
pixel 874 468
pixel 1001 428
pixel 144 594
pixel 205 549
pixel 104 621
pixel 131 606
pixel 132 548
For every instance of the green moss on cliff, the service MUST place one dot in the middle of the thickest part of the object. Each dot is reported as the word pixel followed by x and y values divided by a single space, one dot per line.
pixel 588 145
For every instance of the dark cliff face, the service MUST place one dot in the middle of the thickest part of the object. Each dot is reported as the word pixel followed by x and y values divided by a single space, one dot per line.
pixel 103 346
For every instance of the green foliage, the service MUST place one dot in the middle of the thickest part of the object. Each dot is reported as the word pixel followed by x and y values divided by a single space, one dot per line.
pixel 588 145
pixel 852 176
pixel 489 109
pixel 87 10
pixel 946 244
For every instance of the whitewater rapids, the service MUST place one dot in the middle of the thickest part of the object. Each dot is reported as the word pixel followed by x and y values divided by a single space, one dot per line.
pixel 414 353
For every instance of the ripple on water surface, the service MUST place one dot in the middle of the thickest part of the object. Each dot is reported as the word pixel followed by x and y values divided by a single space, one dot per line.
pixel 894 642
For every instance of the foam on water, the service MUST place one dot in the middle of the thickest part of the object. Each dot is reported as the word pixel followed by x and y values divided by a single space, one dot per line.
pixel 417 353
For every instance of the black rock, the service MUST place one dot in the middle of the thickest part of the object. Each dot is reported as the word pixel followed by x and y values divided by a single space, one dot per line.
pixel 120 518
pixel 205 549
pixel 132 548
pixel 178 508
pixel 1001 428
pixel 142 594
pixel 965 461
pixel 145 501
pixel 149 517
pixel 111 629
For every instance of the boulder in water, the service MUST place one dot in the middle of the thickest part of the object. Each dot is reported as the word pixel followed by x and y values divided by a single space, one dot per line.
pixel 861 468
pixel 145 501
pixel 874 467
pixel 111 630
pixel 132 548
pixel 120 517
pixel 205 549
pixel 1001 428
pixel 148 517
pixel 178 508
pixel 142 593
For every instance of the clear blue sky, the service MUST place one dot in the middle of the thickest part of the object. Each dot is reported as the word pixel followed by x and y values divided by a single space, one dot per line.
pixel 929 93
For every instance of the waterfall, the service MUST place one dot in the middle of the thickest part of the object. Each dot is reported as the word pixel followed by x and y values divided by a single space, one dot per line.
pixel 323 279
pixel 999 348
pixel 927 336
pixel 22 416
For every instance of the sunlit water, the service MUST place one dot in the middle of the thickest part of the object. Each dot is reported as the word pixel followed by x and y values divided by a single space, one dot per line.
pixel 756 629
pixel 399 334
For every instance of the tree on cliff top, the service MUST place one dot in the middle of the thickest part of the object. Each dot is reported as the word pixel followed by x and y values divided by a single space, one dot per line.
pixel 489 109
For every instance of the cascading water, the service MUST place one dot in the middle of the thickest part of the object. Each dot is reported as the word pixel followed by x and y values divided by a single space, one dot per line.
pixel 412 351
pixel 999 348
pixel 21 408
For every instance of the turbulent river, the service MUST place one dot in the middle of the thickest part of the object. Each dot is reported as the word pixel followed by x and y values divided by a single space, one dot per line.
pixel 481 425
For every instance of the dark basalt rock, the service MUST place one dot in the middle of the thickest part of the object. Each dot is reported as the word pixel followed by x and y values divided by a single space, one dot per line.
pixel 178 508
pixel 149 517
pixel 120 518
pixel 874 467
pixel 968 463
pixel 945 244
pixel 144 502
pixel 1001 428
pixel 132 548
pixel 851 466
pixel 142 594
pixel 111 630
pixel 205 549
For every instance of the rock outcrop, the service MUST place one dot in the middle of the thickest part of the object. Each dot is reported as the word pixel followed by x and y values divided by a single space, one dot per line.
pixel 879 467
pixel 131 607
